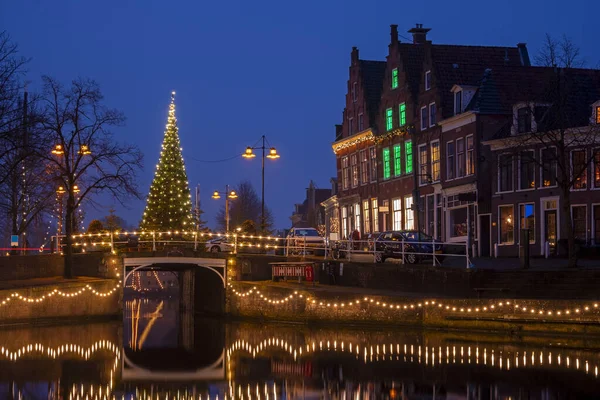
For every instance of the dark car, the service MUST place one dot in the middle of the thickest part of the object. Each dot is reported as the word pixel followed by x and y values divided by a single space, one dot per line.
pixel 417 246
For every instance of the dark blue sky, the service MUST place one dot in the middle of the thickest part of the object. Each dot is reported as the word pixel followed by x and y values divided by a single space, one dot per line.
pixel 246 68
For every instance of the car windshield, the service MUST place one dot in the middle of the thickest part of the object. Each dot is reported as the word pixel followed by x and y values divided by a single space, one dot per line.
pixel 307 232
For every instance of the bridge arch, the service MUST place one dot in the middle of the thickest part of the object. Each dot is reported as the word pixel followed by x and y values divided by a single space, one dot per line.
pixel 211 264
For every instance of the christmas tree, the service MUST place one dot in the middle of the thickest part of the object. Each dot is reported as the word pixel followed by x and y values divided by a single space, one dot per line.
pixel 169 206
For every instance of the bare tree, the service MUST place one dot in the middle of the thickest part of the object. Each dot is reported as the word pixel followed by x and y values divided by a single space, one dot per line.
pixel 561 53
pixel 83 155
pixel 246 206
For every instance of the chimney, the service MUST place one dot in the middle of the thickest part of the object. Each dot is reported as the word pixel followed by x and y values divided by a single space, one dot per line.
pixel 524 54
pixel 394 33
pixel 419 34
pixel 354 55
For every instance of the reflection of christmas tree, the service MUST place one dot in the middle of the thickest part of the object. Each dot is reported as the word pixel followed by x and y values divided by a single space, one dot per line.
pixel 169 205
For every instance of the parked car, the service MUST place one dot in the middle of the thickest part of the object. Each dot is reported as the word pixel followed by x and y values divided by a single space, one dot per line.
pixel 299 239
pixel 417 246
pixel 219 245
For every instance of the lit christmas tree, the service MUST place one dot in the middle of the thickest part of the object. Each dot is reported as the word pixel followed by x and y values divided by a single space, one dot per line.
pixel 169 206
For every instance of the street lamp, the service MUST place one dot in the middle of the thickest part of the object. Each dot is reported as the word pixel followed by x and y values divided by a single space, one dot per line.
pixel 229 195
pixel 271 155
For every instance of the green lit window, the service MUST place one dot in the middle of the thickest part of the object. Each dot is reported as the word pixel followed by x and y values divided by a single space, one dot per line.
pixel 397 162
pixel 408 151
pixel 394 78
pixel 386 163
pixel 402 114
pixel 389 119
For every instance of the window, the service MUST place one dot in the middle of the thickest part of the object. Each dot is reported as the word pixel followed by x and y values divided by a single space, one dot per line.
pixel 526 170
pixel 397 214
pixel 345 173
pixel 354 92
pixel 375 208
pixel 432 114
pixel 345 222
pixel 458 102
pixel 397 160
pixel 357 216
pixel 524 120
pixel 505 173
pixel 430 226
pixel 596 231
pixel 373 157
pixel 361 122
pixel 579 169
pixel 364 167
pixel 457 222
pixel 549 167
pixel 367 216
pixel 386 163
pixel 450 160
pixel 402 114
pixel 596 173
pixel 527 219
pixel 598 114
pixel 351 126
pixel 354 166
pixel 389 119
pixel 578 214
pixel 394 78
pixel 470 156
pixel 424 118
pixel 507 230
pixel 409 213
pixel 423 164
pixel 460 158
pixel 408 156
pixel 428 80
pixel 435 161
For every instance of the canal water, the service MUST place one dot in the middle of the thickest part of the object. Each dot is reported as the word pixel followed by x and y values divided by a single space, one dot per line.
pixel 160 352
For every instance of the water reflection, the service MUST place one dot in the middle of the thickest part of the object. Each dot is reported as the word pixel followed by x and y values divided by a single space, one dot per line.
pixel 160 352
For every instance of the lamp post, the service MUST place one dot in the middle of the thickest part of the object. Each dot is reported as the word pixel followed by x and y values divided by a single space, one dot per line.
pixel 228 195
pixel 271 155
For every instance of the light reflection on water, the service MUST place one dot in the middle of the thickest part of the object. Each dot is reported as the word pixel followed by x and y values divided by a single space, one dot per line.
pixel 159 352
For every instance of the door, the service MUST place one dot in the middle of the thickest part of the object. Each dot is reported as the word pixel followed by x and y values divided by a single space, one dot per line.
pixel 485 235
pixel 550 230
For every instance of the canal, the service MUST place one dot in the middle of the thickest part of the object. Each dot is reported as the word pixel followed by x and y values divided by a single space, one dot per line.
pixel 160 352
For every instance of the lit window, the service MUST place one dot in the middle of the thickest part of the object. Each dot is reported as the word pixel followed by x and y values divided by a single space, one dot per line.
pixel 397 160
pixel 527 215
pixel 386 163
pixel 354 166
pixel 394 78
pixel 364 167
pixel 357 217
pixel 409 214
pixel 423 164
pixel 367 216
pixel 458 102
pixel 345 222
pixel 375 208
pixel 424 118
pixel 402 114
pixel 470 155
pixel 389 119
pixel 408 156
pixel 435 161
pixel 345 173
pixel 397 214
pixel 598 115
pixel 428 80
pixel 507 228
pixel 597 169
pixel 432 114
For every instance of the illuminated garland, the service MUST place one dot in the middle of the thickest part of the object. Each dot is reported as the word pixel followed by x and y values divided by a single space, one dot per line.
pixel 404 131
pixel 491 307
pixel 57 292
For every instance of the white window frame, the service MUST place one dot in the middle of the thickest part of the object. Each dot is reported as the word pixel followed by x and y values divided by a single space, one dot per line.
pixel 367 216
pixel 409 212
pixel 518 189
pixel 345 180
pixel 448 160
pixel 363 152
pixel 354 92
pixel 375 210
pixel 427 80
pixel 498 173
pixel 587 186
pixel 423 127
pixel 543 210
pixel 433 180
pixel 361 122
pixel 373 163
pixel 394 211
pixel 541 163
pixel 464 153
pixel 467 155
pixel 432 120
pixel 587 224
pixel 354 156
pixel 423 176
pixel 345 227
pixel 534 221
pixel 357 213
pixel 500 225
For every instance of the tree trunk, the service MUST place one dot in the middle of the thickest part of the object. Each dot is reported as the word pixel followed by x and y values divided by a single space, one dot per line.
pixel 568 227
pixel 69 238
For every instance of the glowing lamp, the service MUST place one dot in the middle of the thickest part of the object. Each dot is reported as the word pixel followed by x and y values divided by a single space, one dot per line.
pixel 75 189
pixel 60 190
pixel 58 150
pixel 216 195
pixel 233 195
pixel 273 153
pixel 249 153
pixel 85 149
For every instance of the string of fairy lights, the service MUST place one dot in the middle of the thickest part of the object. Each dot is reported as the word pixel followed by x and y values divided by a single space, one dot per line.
pixel 446 306
pixel 56 292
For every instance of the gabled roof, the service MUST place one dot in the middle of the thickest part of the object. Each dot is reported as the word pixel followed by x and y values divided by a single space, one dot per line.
pixel 372 74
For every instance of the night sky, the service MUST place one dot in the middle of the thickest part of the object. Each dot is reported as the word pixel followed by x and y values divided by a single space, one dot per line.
pixel 242 69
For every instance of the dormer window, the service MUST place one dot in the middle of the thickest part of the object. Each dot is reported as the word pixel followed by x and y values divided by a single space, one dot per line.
pixel 428 80
pixel 598 115
pixel 523 120
pixel 458 102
